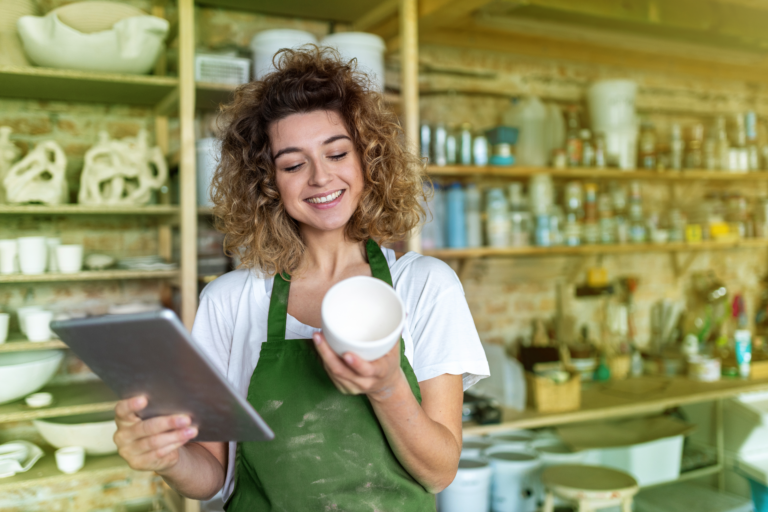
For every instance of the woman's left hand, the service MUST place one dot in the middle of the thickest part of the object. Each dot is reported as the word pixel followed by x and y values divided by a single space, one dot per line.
pixel 353 375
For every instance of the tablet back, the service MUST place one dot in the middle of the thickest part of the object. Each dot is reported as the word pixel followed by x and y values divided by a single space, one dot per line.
pixel 152 354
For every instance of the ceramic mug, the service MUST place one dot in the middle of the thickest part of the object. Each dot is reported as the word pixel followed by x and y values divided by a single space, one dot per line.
pixel 4 320
pixel 9 256
pixel 22 314
pixel 363 315
pixel 52 243
pixel 70 258
pixel 33 254
pixel 38 324
pixel 70 459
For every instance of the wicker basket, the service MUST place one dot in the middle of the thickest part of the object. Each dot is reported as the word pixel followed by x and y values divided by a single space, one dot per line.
pixel 546 396
pixel 619 365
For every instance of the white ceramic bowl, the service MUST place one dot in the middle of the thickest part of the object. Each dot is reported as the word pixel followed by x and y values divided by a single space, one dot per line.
pixel 22 373
pixel 363 315
pixel 93 432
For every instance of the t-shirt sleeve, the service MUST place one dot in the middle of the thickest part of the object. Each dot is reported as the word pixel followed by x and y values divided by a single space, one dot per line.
pixel 444 333
pixel 212 333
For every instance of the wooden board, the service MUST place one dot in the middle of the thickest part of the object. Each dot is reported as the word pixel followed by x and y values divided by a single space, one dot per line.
pixel 493 252
pixel 78 209
pixel 45 472
pixel 22 345
pixel 524 172
pixel 70 399
pixel 331 10
pixel 91 275
pixel 616 399
pixel 83 86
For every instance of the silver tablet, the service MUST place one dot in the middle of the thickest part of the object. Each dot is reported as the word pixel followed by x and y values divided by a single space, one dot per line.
pixel 152 354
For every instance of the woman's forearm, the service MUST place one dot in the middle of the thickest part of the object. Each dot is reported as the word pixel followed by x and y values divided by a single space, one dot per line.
pixel 197 474
pixel 426 448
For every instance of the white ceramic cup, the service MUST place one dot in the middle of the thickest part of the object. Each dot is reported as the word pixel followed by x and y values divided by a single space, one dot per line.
pixel 52 243
pixel 363 315
pixel 70 459
pixel 9 256
pixel 22 314
pixel 38 324
pixel 470 489
pixel 5 319
pixel 70 258
pixel 33 254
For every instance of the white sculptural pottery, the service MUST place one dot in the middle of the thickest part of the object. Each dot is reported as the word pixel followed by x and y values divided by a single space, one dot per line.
pixel 131 46
pixel 121 172
pixel 38 177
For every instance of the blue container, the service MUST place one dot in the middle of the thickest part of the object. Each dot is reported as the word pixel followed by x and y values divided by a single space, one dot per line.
pixel 759 495
pixel 502 135
pixel 543 234
pixel 457 218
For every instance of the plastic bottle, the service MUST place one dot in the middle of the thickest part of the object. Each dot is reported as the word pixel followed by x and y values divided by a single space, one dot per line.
pixel 676 148
pixel 723 144
pixel 426 140
pixel 474 217
pixel 457 222
pixel 587 148
pixel 751 131
pixel 530 117
pixel 428 234
pixel 497 223
pixel 465 144
pixel 573 146
pixel 438 217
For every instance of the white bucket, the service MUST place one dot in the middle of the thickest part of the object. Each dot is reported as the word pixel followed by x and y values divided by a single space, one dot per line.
pixel 515 439
pixel 514 477
pixel 470 491
pixel 473 447
pixel 207 159
pixel 612 103
pixel 267 43
pixel 368 49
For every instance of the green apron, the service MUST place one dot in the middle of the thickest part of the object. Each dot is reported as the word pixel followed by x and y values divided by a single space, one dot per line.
pixel 329 452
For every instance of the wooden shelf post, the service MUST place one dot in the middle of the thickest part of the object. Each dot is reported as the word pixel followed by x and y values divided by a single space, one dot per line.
pixel 409 88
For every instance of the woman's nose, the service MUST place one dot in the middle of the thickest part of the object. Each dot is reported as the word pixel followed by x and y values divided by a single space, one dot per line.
pixel 320 175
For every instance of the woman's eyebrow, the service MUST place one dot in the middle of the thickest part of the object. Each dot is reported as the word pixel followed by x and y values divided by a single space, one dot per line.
pixel 335 138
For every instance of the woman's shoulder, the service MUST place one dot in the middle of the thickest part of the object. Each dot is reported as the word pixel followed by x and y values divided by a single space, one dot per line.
pixel 414 270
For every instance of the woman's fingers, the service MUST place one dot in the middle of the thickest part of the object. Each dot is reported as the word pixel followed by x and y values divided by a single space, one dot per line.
pixel 159 425
pixel 333 363
pixel 162 442
pixel 126 410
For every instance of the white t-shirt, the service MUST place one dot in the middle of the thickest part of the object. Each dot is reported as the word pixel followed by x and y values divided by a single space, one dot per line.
pixel 439 335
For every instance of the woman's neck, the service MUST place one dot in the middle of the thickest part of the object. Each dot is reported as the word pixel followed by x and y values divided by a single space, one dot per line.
pixel 330 253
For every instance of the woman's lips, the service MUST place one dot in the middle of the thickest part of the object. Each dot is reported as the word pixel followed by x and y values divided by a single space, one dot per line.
pixel 329 204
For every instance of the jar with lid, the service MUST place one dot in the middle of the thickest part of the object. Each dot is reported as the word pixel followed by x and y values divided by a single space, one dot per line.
pixel 710 160
pixel 572 197
pixel 497 222
pixel 439 150
pixel 474 217
pixel 556 226
pixel 647 146
pixel 619 202
pixel 637 229
pixel 601 151
pixel 452 145
pixel 573 143
pixel 541 194
pixel 517 200
pixel 590 229
pixel 605 215
pixel 480 150
pixel 676 148
pixel 520 228
pixel 572 230
pixel 587 149
pixel 676 225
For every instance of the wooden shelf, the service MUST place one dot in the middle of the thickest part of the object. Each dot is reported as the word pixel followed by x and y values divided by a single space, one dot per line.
pixel 329 10
pixel 91 275
pixel 491 252
pixel 617 399
pixel 70 399
pixel 77 209
pixel 22 345
pixel 45 472
pixel 473 171
pixel 83 86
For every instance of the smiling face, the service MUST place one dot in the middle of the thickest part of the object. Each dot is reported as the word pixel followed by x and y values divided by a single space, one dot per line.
pixel 318 171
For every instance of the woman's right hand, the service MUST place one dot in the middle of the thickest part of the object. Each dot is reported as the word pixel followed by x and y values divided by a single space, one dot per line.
pixel 153 444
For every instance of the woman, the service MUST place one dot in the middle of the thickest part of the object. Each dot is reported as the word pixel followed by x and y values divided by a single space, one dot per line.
pixel 314 169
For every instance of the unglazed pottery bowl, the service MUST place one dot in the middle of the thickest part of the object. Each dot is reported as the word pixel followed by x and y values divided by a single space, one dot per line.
pixel 93 432
pixel 22 373
pixel 363 315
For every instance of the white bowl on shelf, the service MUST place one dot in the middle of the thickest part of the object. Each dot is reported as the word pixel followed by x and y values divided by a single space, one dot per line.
pixel 93 432
pixel 22 373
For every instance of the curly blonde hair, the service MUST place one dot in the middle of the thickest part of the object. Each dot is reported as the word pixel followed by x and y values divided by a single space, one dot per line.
pixel 247 205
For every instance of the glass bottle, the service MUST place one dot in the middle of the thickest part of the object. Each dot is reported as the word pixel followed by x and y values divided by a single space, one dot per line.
pixel 601 153
pixel 723 144
pixel 637 230
pixel 426 140
pixel 451 146
pixel 497 222
pixel 676 148
pixel 474 217
pixel 605 214
pixel 439 153
pixel 647 146
pixel 587 149
pixel 573 143
pixel 480 150
pixel 753 154
pixel 741 163
pixel 590 228
pixel 711 157
pixel 619 201
pixel 465 144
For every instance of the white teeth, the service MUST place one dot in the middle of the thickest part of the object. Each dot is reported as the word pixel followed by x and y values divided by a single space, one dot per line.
pixel 325 199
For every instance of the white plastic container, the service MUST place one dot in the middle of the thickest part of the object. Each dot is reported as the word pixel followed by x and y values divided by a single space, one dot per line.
pixel 530 117
pixel 514 479
pixel 612 103
pixel 507 381
pixel 222 69
pixel 207 157
pixel 471 489
pixel 745 421
pixel 474 447
pixel 265 44
pixel 368 49
pixel 650 463
pixel 363 315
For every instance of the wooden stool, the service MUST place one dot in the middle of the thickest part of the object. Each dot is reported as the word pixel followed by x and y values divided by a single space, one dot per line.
pixel 592 487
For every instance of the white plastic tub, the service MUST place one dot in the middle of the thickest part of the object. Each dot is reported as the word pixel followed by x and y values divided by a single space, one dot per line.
pixel 368 49
pixel 265 44
pixel 513 487
pixel 650 463
pixel 470 491
pixel 745 420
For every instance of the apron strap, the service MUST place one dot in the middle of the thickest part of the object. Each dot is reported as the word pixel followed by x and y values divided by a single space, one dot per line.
pixel 278 309
pixel 377 261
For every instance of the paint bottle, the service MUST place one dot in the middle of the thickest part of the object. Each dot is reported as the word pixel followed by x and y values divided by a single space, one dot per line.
pixel 457 223
pixel 497 223
pixel 425 134
pixel 474 217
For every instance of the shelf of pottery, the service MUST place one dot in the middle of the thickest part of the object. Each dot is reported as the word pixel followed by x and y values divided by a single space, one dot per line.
pixel 101 243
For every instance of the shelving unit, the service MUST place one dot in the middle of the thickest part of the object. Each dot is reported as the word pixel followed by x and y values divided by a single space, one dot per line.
pixel 68 400
pixel 77 209
pixel 92 275
pixel 22 345
pixel 45 472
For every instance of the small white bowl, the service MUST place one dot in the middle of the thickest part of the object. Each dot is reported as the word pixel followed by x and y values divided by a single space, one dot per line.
pixel 363 315
pixel 39 399
pixel 70 459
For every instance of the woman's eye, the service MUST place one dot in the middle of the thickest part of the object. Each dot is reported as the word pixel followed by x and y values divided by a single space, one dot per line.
pixel 338 157
pixel 294 168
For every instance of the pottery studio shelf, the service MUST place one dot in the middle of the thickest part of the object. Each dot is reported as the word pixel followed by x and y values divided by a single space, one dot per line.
pixel 585 250
pixel 513 172
pixel 45 472
pixel 93 275
pixel 77 209
pixel 68 399
pixel 624 398
pixel 84 86
pixel 22 345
